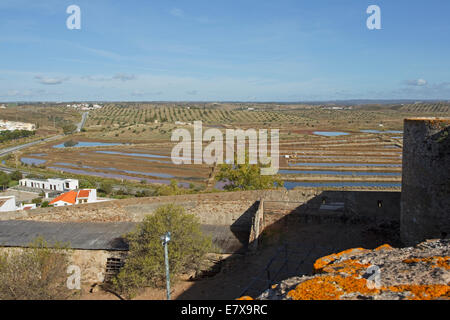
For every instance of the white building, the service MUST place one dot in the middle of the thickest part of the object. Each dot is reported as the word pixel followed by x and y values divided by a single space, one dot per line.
pixel 29 206
pixel 7 203
pixel 55 184
pixel 75 197
pixel 84 106
pixel 13 125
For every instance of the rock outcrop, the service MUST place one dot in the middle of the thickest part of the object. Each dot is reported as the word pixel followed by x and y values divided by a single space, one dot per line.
pixel 418 273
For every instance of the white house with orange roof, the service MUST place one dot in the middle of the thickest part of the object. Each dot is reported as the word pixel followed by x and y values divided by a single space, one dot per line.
pixel 75 197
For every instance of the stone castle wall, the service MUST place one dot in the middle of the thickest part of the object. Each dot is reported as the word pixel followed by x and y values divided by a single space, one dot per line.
pixel 225 208
pixel 425 200
pixel 231 217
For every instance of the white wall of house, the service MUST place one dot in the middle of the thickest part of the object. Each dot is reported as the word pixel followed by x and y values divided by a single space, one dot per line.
pixel 30 206
pixel 8 204
pixel 50 184
pixel 61 203
pixel 90 199
pixel 71 184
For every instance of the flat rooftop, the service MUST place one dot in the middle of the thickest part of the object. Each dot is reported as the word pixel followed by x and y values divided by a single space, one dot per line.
pixel 78 235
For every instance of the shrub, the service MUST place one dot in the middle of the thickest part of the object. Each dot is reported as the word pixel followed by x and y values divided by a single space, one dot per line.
pixel 37 272
pixel 87 184
pixel 16 175
pixel 70 143
pixel 69 128
pixel 45 204
pixel 36 200
pixel 106 187
pixel 4 180
pixel 145 266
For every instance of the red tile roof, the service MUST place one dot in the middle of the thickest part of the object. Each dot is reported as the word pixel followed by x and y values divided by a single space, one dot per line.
pixel 69 197
pixel 83 193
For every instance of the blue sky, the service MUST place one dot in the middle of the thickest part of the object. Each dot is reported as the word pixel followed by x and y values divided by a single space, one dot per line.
pixel 210 50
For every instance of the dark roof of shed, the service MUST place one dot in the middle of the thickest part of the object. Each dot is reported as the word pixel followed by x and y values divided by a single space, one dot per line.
pixel 78 235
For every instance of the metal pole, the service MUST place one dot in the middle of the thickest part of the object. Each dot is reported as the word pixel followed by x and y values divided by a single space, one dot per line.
pixel 166 239
pixel 166 255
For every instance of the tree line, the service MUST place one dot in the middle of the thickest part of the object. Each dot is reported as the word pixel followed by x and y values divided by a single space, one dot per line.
pixel 6 179
pixel 16 134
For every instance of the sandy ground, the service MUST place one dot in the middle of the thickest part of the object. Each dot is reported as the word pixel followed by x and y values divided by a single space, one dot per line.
pixel 20 195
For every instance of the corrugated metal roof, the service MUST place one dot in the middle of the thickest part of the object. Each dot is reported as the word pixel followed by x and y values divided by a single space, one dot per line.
pixel 79 235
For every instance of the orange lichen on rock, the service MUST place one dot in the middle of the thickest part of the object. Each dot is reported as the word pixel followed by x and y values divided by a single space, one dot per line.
pixel 245 298
pixel 320 288
pixel 436 262
pixel 442 262
pixel 324 261
pixel 383 247
pixel 349 267
pixel 424 292
pixel 329 288
pixel 333 287
pixel 343 275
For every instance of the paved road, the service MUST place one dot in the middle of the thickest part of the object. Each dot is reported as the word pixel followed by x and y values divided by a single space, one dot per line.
pixel 7 170
pixel 11 170
pixel 4 152
pixel 83 121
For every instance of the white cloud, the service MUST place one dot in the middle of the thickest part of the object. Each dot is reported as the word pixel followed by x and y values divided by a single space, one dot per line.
pixel 417 82
pixel 96 78
pixel 176 12
pixel 124 76
pixel 50 81
pixel 117 76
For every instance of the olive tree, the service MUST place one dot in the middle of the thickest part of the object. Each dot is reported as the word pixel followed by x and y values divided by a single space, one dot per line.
pixel 246 176
pixel 145 265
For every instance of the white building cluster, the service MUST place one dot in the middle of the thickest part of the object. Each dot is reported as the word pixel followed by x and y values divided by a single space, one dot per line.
pixel 60 192
pixel 84 106
pixel 14 125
